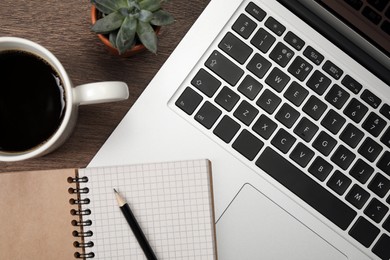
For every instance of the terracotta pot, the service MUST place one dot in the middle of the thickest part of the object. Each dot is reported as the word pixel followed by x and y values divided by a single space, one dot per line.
pixel 134 50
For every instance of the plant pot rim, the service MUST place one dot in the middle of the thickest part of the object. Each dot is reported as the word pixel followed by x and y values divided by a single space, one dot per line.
pixel 134 50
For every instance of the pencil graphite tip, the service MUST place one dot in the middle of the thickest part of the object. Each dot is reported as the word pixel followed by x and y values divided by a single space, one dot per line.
pixel 121 201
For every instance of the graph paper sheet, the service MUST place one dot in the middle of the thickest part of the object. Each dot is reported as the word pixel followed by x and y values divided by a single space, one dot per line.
pixel 172 202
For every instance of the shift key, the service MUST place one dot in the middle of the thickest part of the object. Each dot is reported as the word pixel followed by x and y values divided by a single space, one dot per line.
pixel 224 68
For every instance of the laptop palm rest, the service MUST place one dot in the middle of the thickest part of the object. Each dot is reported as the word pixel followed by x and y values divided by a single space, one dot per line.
pixel 253 226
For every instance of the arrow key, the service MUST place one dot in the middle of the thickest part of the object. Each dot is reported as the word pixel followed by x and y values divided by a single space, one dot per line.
pixel 376 210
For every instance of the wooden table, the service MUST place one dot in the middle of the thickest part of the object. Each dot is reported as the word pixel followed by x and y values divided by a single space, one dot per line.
pixel 63 27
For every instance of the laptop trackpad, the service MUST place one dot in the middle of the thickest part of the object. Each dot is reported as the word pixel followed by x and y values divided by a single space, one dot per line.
pixel 254 227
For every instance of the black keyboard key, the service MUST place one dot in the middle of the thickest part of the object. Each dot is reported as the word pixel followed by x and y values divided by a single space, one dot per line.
pixel 275 26
pixel 355 110
pixel 277 79
pixel 250 87
pixel 226 129
pixel 287 115
pixel 313 55
pixel 189 100
pixel 294 41
pixel 334 71
pixel 387 13
pixel 351 84
pixel 264 126
pixel 339 183
pixel 301 154
pixel 306 129
pixel 224 68
pixel 306 188
pixel 206 83
pixel 300 68
pixel 385 110
pixel 378 4
pixel 374 124
pixel 361 171
pixel 337 96
pixel 244 26
pixel 207 115
pixel 370 149
pixel 324 143
pixel 385 26
pixel 227 98
pixel 245 112
pixel 281 54
pixel 386 224
pixel 372 15
pixel 320 168
pixel 255 11
pixel 259 65
pixel 384 163
pixel 343 157
pixel 356 4
pixel 376 210
pixel 283 140
pixel 333 121
pixel 296 93
pixel 263 40
pixel 268 101
pixel 314 107
pixel 357 196
pixel 382 248
pixel 247 144
pixel 380 185
pixel 235 48
pixel 364 232
pixel 351 135
pixel 370 98
pixel 318 82
pixel 386 138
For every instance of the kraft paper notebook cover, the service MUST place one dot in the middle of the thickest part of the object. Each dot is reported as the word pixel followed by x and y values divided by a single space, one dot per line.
pixel 63 214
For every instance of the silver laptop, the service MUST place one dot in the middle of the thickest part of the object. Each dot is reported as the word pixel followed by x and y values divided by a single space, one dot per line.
pixel 290 100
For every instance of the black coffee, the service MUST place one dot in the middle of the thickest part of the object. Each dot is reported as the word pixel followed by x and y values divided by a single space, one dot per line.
pixel 32 101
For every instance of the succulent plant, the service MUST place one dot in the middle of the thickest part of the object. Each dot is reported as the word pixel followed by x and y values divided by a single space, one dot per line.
pixel 126 21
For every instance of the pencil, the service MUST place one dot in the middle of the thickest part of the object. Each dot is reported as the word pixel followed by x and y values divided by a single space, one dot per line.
pixel 143 242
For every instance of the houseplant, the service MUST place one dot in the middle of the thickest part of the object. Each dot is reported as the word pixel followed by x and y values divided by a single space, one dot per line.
pixel 129 25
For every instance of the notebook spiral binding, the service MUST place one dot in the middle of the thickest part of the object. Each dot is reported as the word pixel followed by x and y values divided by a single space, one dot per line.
pixel 81 233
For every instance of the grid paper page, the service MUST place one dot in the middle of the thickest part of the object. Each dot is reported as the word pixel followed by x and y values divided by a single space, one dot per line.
pixel 171 201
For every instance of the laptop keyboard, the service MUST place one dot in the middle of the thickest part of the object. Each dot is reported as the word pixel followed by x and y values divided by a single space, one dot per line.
pixel 376 11
pixel 302 119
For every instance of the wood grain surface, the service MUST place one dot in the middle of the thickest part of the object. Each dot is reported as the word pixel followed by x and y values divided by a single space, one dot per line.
pixel 63 27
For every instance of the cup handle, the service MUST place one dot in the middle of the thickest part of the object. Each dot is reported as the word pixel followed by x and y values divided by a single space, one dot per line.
pixel 100 92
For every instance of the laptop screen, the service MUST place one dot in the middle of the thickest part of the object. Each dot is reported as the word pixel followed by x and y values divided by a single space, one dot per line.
pixel 369 18
pixel 358 27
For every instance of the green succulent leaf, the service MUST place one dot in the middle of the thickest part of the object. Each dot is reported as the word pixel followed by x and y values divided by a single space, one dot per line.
pixel 150 5
pixel 108 23
pixel 161 18
pixel 105 6
pixel 112 38
pixel 145 16
pixel 126 34
pixel 132 3
pixel 147 36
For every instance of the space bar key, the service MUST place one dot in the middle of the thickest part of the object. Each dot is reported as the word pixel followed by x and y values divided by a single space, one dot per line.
pixel 306 188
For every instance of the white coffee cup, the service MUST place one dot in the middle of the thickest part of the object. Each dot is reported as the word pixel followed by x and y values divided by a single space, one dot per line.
pixel 91 93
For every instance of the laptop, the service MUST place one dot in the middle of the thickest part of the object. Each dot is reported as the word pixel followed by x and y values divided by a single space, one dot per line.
pixel 290 100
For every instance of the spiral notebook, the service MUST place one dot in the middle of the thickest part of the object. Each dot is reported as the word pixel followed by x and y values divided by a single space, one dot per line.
pixel 69 213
